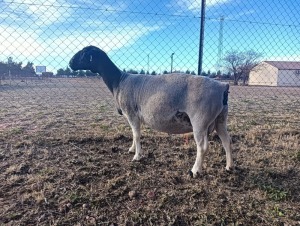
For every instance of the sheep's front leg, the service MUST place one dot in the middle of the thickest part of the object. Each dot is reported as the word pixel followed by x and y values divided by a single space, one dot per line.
pixel 202 146
pixel 132 148
pixel 136 143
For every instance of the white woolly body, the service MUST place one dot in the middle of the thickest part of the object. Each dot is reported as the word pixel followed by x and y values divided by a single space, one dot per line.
pixel 158 101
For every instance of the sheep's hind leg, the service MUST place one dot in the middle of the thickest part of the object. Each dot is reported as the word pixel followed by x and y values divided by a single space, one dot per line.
pixel 222 132
pixel 202 146
pixel 136 143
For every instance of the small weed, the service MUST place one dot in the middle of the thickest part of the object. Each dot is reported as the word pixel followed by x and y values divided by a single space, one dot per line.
pixel 298 156
pixel 116 183
pixel 16 131
pixel 277 211
pixel 253 122
pixel 274 193
pixel 167 200
pixel 94 125
pixel 77 198
pixel 104 127
pixel 15 216
pixel 248 101
pixel 102 108
pixel 46 171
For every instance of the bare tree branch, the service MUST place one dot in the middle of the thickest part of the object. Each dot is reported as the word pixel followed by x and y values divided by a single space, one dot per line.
pixel 241 63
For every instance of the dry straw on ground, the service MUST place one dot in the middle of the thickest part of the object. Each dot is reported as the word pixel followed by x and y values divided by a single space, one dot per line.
pixel 64 161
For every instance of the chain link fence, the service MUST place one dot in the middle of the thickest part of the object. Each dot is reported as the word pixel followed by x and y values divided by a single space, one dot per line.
pixel 148 37
pixel 64 148
pixel 252 45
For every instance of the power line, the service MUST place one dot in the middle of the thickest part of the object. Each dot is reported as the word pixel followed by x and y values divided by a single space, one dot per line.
pixel 256 22
pixel 106 10
pixel 152 13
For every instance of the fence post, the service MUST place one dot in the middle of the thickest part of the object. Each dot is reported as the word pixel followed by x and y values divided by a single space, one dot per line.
pixel 202 22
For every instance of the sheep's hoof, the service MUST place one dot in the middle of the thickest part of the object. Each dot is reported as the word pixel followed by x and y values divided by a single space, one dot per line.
pixel 136 158
pixel 193 175
pixel 229 169
pixel 131 150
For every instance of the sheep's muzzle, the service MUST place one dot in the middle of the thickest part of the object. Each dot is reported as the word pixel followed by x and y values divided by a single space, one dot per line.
pixel 75 63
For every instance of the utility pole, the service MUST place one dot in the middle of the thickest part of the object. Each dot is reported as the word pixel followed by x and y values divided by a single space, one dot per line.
pixel 220 46
pixel 172 62
pixel 202 22
pixel 148 63
pixel 9 61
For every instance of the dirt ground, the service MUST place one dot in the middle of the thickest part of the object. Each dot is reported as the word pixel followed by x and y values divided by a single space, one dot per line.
pixel 64 161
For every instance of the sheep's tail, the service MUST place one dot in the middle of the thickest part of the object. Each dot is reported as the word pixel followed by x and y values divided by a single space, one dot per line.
pixel 225 95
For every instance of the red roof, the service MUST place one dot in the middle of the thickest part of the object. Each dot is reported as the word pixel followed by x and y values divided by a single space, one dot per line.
pixel 285 65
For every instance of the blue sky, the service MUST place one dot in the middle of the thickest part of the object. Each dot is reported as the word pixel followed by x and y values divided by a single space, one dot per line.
pixel 49 32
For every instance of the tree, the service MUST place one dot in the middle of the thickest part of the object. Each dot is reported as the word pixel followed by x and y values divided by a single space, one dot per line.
pixel 165 72
pixel 203 73
pixel 142 72
pixel 213 75
pixel 28 70
pixel 227 76
pixel 60 72
pixel 15 68
pixel 89 73
pixel 241 63
pixel 68 71
pixel 153 73
pixel 208 73
pixel 3 68
pixel 81 73
pixel 131 71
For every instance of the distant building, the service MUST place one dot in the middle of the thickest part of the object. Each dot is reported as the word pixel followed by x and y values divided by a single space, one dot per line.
pixel 47 74
pixel 40 69
pixel 275 73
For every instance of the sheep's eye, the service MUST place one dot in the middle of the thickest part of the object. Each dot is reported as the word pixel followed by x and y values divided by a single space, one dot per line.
pixel 91 58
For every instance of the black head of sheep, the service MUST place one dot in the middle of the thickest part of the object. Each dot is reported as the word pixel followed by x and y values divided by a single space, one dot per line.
pixel 88 59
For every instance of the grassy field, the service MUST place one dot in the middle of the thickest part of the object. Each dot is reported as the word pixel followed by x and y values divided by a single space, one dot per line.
pixel 64 161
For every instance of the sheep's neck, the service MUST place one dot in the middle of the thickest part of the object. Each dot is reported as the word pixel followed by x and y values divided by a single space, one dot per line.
pixel 111 74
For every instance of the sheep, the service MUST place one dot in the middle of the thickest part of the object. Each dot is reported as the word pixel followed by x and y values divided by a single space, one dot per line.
pixel 173 103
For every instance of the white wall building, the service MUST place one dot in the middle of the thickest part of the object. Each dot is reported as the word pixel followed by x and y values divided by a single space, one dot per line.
pixel 275 73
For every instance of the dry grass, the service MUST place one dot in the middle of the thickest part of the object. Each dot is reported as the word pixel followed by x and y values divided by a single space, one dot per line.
pixel 64 161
